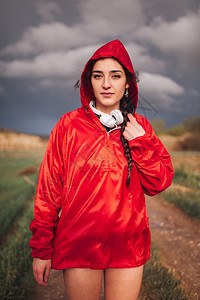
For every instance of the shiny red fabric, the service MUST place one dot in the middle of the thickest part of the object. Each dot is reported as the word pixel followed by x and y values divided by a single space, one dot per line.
pixel 84 215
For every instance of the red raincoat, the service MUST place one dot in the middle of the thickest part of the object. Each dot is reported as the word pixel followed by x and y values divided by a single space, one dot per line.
pixel 84 214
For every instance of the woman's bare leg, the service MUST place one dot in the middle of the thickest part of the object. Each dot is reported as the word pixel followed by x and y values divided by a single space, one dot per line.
pixel 123 283
pixel 82 284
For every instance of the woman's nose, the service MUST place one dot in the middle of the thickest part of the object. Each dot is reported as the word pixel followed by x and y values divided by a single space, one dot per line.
pixel 106 83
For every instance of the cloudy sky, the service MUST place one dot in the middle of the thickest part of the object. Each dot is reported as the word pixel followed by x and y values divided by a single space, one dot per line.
pixel 45 44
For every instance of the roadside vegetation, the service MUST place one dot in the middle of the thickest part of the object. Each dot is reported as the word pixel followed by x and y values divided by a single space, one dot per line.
pixel 14 188
pixel 17 187
pixel 185 189
pixel 159 282
pixel 16 279
pixel 15 192
pixel 183 143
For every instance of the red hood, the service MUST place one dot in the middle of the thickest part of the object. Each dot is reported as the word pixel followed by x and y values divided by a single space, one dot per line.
pixel 112 49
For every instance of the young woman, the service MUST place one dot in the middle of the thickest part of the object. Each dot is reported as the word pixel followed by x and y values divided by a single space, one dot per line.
pixel 90 215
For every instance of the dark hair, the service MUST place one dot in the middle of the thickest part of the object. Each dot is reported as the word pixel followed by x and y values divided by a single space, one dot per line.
pixel 126 106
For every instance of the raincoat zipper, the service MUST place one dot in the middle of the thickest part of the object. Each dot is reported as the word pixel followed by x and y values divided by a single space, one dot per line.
pixel 108 136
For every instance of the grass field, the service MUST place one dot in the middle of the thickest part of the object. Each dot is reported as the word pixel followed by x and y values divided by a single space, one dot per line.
pixel 159 282
pixel 15 216
pixel 16 279
pixel 185 190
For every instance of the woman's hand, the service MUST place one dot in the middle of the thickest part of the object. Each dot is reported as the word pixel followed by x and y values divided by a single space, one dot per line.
pixel 133 129
pixel 41 270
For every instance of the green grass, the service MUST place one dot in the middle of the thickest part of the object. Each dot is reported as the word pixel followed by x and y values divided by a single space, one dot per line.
pixel 160 283
pixel 186 178
pixel 16 279
pixel 14 190
pixel 13 197
pixel 188 200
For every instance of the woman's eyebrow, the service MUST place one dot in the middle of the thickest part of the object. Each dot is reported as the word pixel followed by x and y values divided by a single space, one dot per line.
pixel 113 71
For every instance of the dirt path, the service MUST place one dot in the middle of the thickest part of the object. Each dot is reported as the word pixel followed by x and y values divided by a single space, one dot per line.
pixel 178 237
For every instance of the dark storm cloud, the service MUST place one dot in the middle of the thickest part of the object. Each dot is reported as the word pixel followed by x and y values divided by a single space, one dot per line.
pixel 45 45
pixel 168 10
pixel 16 16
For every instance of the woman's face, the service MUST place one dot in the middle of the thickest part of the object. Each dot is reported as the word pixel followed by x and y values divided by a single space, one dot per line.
pixel 108 82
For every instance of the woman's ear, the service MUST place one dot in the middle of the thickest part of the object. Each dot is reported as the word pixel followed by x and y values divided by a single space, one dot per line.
pixel 127 85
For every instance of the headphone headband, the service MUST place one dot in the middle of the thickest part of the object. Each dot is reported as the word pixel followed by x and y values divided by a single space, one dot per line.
pixel 110 120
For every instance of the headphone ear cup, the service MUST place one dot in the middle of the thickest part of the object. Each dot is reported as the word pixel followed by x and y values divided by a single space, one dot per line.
pixel 117 115
pixel 107 120
pixel 110 120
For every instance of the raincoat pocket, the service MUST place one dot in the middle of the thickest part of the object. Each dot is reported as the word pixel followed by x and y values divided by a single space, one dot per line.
pixel 140 242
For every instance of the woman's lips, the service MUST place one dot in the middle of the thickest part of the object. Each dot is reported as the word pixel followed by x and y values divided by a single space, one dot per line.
pixel 107 94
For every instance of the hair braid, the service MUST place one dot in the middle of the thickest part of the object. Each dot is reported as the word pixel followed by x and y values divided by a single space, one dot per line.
pixel 125 109
pixel 126 106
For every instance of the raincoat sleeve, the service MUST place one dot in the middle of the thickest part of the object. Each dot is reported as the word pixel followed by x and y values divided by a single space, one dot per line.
pixel 152 160
pixel 48 198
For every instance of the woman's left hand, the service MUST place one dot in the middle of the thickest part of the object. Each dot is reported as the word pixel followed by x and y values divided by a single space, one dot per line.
pixel 133 129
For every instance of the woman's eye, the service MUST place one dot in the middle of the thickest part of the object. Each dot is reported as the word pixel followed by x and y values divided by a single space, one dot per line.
pixel 116 76
pixel 97 76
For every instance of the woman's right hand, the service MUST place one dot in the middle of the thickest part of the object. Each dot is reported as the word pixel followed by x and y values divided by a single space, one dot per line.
pixel 41 270
pixel 133 129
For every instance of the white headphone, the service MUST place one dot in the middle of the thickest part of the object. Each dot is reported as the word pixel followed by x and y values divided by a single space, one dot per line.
pixel 110 120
